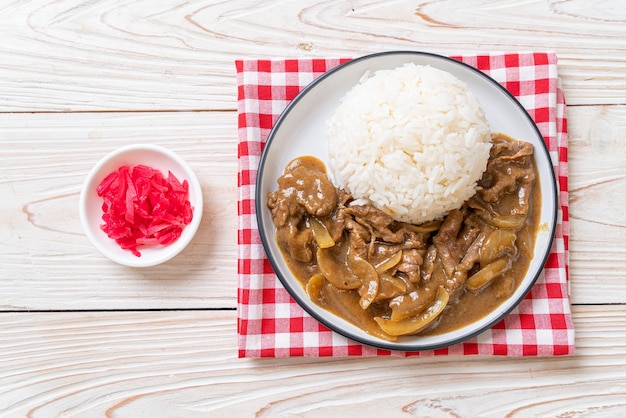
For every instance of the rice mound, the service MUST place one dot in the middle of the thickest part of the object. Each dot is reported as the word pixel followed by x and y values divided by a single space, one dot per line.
pixel 413 141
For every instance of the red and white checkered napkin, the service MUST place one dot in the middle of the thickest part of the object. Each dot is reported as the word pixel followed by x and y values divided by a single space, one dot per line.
pixel 272 324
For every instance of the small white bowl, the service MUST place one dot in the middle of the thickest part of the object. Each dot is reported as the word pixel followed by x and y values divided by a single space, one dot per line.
pixel 90 206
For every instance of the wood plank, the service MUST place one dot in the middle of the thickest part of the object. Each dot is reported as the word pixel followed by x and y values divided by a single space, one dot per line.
pixel 184 364
pixel 77 56
pixel 46 262
pixel 597 177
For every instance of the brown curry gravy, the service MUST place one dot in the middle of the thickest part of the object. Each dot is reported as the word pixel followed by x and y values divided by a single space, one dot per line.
pixel 467 307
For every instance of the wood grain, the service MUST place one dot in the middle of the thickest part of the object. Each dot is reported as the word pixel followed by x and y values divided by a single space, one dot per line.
pixel 184 364
pixel 175 55
pixel 43 241
pixel 46 257
pixel 597 175
pixel 82 337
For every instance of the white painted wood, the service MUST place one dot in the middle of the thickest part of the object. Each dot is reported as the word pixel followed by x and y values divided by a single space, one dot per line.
pixel 184 364
pixel 597 179
pixel 51 264
pixel 171 55
pixel 80 336
pixel 47 258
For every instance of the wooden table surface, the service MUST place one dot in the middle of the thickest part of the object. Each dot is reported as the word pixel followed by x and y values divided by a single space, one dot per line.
pixel 81 336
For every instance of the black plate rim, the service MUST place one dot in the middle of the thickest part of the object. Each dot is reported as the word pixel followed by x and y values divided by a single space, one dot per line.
pixel 287 284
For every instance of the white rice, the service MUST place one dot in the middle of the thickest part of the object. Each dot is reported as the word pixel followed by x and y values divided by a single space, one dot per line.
pixel 413 141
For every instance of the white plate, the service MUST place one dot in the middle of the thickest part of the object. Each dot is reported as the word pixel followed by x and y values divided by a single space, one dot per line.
pixel 301 130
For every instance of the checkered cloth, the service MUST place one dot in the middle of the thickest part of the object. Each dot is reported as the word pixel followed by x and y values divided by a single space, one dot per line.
pixel 272 324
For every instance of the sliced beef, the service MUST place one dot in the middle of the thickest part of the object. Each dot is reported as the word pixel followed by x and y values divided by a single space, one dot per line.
pixel 384 228
pixel 361 238
pixel 311 189
pixel 508 178
pixel 302 189
pixel 379 221
pixel 411 264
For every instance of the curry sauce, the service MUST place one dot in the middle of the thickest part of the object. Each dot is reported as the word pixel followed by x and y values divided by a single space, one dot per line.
pixel 392 278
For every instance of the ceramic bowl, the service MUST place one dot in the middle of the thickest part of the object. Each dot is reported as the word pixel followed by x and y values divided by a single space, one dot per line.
pixel 90 206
